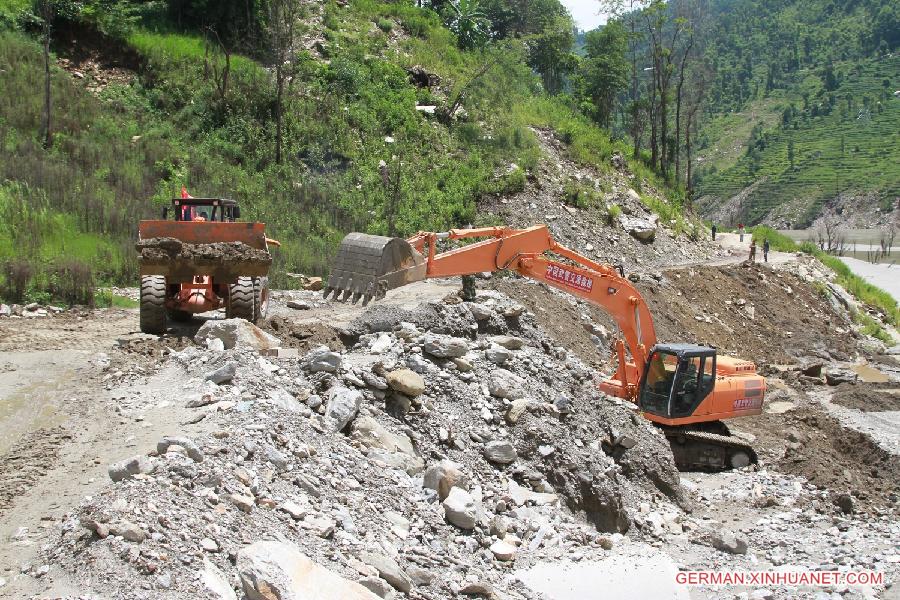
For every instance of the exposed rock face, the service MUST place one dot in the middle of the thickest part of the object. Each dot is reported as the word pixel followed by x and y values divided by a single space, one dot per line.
pixel 641 229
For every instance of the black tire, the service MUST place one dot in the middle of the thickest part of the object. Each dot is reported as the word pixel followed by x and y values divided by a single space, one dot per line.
pixel 182 316
pixel 241 300
pixel 153 304
pixel 261 297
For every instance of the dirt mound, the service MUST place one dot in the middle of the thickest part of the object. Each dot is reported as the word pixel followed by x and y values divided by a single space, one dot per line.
pixel 560 315
pixel 162 250
pixel 815 445
pixel 750 312
pixel 867 398
pixel 303 336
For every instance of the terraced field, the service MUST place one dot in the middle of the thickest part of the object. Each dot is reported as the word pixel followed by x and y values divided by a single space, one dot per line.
pixel 852 149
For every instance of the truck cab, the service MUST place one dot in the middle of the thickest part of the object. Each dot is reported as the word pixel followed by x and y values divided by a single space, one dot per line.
pixel 222 210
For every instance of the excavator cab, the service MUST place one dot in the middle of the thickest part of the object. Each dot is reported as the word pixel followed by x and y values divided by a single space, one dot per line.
pixel 677 379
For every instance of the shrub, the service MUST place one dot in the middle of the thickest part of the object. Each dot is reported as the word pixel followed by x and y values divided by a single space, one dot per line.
pixel 513 182
pixel 613 212
pixel 17 273
pixel 385 25
pixel 73 282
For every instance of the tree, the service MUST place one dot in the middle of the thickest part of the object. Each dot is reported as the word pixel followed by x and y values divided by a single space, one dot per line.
pixel 604 73
pixel 663 46
pixel 550 53
pixel 282 18
pixel 627 10
pixel 469 24
pixel 46 10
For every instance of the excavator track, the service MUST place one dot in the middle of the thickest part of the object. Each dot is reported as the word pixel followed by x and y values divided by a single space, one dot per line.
pixel 705 451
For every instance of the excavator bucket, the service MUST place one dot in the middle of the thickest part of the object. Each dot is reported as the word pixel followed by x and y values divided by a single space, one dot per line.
pixel 367 266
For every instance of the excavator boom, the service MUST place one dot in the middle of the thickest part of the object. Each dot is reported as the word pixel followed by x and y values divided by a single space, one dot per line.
pixel 679 387
pixel 368 266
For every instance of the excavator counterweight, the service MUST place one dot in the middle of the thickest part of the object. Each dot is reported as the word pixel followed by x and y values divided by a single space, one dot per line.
pixel 685 389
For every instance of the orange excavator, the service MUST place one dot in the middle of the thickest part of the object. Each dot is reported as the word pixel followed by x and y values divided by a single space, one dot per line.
pixel 685 389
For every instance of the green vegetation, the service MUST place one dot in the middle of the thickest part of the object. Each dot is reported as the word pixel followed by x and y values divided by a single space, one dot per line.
pixel 801 103
pixel 314 143
pixel 864 291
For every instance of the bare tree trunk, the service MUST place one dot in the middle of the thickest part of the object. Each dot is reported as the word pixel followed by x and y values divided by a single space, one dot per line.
pixel 679 87
pixel 279 107
pixel 46 129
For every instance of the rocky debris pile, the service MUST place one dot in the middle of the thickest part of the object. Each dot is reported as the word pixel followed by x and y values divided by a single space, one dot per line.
pixel 30 310
pixel 793 523
pixel 611 222
pixel 165 249
pixel 444 444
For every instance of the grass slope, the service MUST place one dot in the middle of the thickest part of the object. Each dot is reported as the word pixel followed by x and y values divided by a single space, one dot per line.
pixel 349 115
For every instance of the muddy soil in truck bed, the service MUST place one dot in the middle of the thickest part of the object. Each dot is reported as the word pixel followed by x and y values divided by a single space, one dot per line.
pixel 160 250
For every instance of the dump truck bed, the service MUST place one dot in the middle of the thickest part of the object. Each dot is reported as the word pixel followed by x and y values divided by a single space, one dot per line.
pixel 181 250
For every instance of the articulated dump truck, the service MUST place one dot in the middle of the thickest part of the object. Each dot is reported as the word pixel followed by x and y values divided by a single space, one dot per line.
pixel 199 260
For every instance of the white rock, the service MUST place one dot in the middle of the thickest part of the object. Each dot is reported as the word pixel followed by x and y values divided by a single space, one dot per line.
pixel 460 509
pixel 215 582
pixel 443 476
pixel 503 550
pixel 343 405
pixel 236 333
pixel 382 343
pixel 444 346
pixel 323 359
pixel 279 570
pixel 505 384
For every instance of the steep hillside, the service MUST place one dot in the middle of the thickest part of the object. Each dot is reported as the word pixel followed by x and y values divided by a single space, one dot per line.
pixel 802 111
pixel 388 127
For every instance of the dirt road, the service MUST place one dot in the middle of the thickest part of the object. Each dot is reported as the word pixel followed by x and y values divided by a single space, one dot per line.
pixel 62 422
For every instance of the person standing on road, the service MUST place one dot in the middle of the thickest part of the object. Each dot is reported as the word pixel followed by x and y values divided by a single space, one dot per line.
pixel 752 251
pixel 741 231
pixel 766 250
pixel 714 232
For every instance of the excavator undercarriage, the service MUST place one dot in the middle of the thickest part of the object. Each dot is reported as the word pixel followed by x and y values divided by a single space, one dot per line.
pixel 684 389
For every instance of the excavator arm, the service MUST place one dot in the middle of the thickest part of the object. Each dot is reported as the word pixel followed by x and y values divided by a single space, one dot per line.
pixel 368 266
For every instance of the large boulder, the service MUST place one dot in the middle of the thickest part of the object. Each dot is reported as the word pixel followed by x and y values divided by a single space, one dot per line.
pixel 279 571
pixel 322 359
pixel 343 405
pixel 726 541
pixel 442 477
pixel 127 469
pixel 460 509
pixel 445 346
pixel 501 452
pixel 506 384
pixel 236 333
pixel 406 382
pixel 641 229
pixel 215 582
pixel 388 569
pixel 373 434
